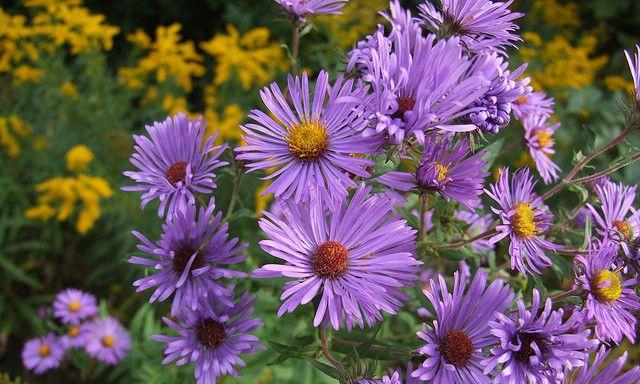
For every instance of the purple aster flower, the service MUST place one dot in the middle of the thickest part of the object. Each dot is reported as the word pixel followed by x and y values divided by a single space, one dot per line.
pixel 619 220
pixel 393 378
pixel 212 338
pixel 107 340
pixel 315 145
pixel 355 258
pixel 418 84
pixel 477 224
pixel 43 353
pixel 533 104
pixel 71 306
pixel 536 347
pixel 189 258
pixel 482 23
pixel 173 164
pixel 610 298
pixel 301 9
pixel 454 342
pixel 600 372
pixel 75 337
pixel 446 169
pixel 538 133
pixel 525 218
pixel 634 65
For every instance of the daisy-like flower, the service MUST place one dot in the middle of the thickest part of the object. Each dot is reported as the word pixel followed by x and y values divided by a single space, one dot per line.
pixel 619 220
pixel 538 133
pixel 75 337
pixel 536 347
pixel 445 168
pixel 634 66
pixel 189 258
pixel 525 218
pixel 301 9
pixel 454 342
pixel 533 104
pixel 481 23
pixel 212 338
pixel 600 372
pixel 72 306
pixel 43 353
pixel 107 340
pixel 610 298
pixel 355 258
pixel 173 164
pixel 313 144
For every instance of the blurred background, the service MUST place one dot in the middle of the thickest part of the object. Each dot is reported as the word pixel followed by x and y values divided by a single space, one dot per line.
pixel 78 78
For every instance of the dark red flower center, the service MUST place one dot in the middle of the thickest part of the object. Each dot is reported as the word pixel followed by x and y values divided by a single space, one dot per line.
pixel 177 172
pixel 183 254
pixel 526 350
pixel 405 104
pixel 211 333
pixel 330 260
pixel 457 347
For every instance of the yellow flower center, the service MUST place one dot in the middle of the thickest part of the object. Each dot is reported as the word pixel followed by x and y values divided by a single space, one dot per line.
pixel 544 138
pixel 73 332
pixel 308 141
pixel 441 170
pixel 74 306
pixel 523 221
pixel 610 292
pixel 623 227
pixel 44 350
pixel 521 100
pixel 108 341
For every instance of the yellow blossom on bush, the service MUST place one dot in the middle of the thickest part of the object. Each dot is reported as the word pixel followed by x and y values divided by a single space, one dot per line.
pixel 358 19
pixel 78 158
pixel 618 83
pixel 262 201
pixel 26 74
pixel 556 14
pixel 227 123
pixel 12 128
pixel 172 104
pixel 69 89
pixel 251 57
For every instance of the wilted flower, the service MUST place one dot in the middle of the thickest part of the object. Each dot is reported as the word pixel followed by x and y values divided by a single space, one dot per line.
pixel 43 353
pixel 538 133
pixel 616 202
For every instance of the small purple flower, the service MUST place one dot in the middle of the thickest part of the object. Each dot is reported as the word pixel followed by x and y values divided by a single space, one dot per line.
pixel 610 299
pixel 212 338
pixel 619 221
pixel 525 218
pixel 634 66
pixel 107 340
pixel 43 353
pixel 301 9
pixel 355 258
pixel 188 258
pixel 316 143
pixel 446 169
pixel 533 104
pixel 536 347
pixel 71 306
pixel 482 23
pixel 75 337
pixel 600 372
pixel 173 164
pixel 455 341
pixel 538 133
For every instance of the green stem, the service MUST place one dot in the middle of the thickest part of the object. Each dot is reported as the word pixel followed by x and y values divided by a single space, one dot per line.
pixel 237 181
pixel 488 233
pixel 295 45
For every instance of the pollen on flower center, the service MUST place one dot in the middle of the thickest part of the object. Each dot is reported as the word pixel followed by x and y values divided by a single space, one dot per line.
pixel 182 256
pixel 177 172
pixel 523 221
pixel 623 227
pixel 329 261
pixel 457 347
pixel 74 306
pixel 308 141
pixel 526 350
pixel 211 333
pixel 441 170
pixel 545 139
pixel 612 288
pixel 108 341
pixel 73 332
pixel 405 104
pixel 44 350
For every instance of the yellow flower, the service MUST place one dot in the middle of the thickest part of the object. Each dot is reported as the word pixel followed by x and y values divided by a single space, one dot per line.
pixel 556 14
pixel 12 128
pixel 26 74
pixel 358 19
pixel 78 158
pixel 228 125
pixel 172 104
pixel 250 57
pixel 618 83
pixel 262 202
pixel 68 89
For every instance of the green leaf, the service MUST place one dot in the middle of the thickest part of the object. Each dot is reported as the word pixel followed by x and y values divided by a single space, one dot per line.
pixel 561 266
pixel 580 190
pixel 491 153
pixel 328 370
pixel 587 232
pixel 14 272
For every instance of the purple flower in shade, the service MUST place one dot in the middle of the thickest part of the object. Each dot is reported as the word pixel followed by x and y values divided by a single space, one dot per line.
pixel 477 224
pixel 536 347
pixel 600 372
pixel 446 169
pixel 75 337
pixel 43 353
pixel 533 104
pixel 71 306
pixel 173 164
pixel 188 258
pixel 619 220
pixel 107 340
pixel 355 258
pixel 393 378
pixel 455 341
pixel 213 337
pixel 481 23
pixel 315 145
pixel 525 218
pixel 301 9
pixel 634 65
pixel 610 299
pixel 416 85
pixel 538 133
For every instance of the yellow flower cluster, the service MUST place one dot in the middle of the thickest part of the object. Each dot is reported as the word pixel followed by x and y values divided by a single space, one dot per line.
pixel 60 197
pixel 564 65
pixel 227 122
pixel 618 83
pixel 358 19
pixel 10 127
pixel 251 57
pixel 556 14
